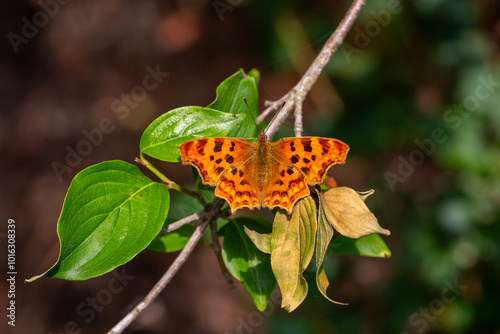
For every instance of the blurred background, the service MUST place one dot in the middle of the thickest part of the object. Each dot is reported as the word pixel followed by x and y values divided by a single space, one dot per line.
pixel 414 91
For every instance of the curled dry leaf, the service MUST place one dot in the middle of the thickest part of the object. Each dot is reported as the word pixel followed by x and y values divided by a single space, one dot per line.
pixel 347 212
pixel 323 238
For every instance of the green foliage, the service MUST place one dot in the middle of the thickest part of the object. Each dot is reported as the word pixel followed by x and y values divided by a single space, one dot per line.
pixel 173 241
pixel 162 138
pixel 230 94
pixel 112 211
pixel 247 263
pixel 370 245
pixel 110 214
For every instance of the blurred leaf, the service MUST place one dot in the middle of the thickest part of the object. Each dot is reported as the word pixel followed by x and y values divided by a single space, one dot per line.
pixel 173 241
pixel 346 211
pixel 163 136
pixel 230 94
pixel 370 245
pixel 110 214
pixel 255 74
pixel 245 262
pixel 292 247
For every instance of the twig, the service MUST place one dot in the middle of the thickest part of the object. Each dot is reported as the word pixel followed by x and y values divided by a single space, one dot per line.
pixel 181 222
pixel 295 97
pixel 218 253
pixel 172 270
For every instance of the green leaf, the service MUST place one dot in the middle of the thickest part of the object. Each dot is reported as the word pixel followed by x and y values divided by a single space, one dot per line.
pixel 110 214
pixel 163 136
pixel 371 245
pixel 230 94
pixel 292 247
pixel 173 241
pixel 245 262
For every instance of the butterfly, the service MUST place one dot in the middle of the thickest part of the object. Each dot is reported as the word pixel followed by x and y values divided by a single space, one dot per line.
pixel 263 174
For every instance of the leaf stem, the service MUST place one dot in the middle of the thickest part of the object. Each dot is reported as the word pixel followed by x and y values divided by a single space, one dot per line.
pixel 167 182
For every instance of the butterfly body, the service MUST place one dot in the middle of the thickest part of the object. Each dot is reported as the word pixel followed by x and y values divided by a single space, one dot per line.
pixel 249 174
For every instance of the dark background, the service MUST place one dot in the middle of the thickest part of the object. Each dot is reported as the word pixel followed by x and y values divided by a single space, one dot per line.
pixel 406 92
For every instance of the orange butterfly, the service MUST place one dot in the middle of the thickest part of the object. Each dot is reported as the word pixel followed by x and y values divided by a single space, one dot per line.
pixel 263 174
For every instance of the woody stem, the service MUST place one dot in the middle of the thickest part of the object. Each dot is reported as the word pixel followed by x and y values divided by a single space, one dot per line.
pixel 295 97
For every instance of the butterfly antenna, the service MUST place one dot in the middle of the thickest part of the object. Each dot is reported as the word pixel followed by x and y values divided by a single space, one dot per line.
pixel 250 112
pixel 276 114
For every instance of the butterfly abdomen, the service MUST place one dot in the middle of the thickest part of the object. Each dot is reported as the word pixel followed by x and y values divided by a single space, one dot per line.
pixel 262 162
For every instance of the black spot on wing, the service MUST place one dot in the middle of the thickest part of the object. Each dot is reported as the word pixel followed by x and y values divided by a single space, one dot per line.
pixel 306 161
pixel 294 159
pixel 282 173
pixel 218 161
pixel 212 158
pixel 241 173
pixel 307 145
pixel 219 170
pixel 218 145
pixel 313 157
pixel 230 159
pixel 289 171
pixel 305 170
pixel 234 171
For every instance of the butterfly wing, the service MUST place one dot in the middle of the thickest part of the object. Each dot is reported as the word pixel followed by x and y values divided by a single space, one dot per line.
pixel 237 188
pixel 312 156
pixel 213 156
pixel 287 185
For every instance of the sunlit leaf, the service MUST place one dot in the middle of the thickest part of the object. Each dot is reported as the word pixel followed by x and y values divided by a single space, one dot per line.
pixel 163 136
pixel 230 94
pixel 261 241
pixel 110 214
pixel 292 247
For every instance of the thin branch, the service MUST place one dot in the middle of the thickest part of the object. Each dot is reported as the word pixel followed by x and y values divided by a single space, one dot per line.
pixel 295 97
pixel 181 222
pixel 212 214
pixel 218 253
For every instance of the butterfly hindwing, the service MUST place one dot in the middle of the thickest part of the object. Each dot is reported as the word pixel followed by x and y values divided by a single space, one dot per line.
pixel 286 186
pixel 212 156
pixel 236 186
pixel 313 156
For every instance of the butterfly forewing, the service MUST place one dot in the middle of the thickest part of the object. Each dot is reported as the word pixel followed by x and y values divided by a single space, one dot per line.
pixel 313 156
pixel 212 156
